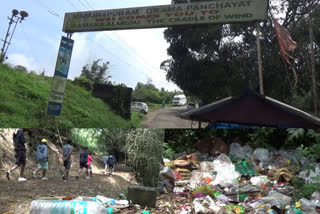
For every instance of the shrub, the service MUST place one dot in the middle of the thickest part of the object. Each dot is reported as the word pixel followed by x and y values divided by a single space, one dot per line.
pixel 84 83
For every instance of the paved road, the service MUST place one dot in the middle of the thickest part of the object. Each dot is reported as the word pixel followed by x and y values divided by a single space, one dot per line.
pixel 167 118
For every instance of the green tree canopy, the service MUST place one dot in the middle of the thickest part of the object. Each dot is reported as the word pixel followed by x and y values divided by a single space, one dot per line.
pixel 97 73
pixel 149 93
pixel 213 61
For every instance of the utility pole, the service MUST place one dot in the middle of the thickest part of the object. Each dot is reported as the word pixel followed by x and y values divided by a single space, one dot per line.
pixel 313 67
pixel 14 19
pixel 259 60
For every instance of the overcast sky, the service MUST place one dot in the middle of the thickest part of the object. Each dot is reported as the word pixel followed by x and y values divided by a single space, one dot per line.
pixel 134 55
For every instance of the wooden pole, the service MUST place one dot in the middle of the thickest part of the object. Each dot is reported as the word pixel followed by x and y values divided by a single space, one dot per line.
pixel 259 60
pixel 313 67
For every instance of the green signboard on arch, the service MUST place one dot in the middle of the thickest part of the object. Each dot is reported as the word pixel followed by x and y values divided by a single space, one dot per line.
pixel 216 11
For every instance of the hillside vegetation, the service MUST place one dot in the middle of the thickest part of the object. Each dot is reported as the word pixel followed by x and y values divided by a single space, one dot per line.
pixel 24 100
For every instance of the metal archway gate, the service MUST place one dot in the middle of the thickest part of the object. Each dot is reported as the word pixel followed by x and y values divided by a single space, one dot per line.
pixel 216 11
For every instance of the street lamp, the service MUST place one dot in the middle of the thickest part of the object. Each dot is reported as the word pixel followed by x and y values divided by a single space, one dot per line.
pixel 14 18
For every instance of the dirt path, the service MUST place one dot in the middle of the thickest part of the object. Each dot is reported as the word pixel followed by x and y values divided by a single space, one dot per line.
pixel 17 196
pixel 167 118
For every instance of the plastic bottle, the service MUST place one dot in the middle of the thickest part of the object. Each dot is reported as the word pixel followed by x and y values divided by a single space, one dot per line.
pixel 307 206
pixel 67 207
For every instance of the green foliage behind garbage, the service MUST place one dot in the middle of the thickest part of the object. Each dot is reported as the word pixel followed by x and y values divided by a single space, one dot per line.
pixel 167 152
pixel 303 190
pixel 185 139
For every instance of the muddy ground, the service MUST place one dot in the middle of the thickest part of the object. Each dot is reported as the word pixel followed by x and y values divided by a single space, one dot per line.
pixel 16 197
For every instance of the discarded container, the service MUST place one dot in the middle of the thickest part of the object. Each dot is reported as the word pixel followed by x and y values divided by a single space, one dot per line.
pixel 307 206
pixel 66 207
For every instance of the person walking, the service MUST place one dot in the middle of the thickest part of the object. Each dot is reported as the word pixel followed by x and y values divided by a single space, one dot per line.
pixel 66 156
pixel 42 158
pixel 111 163
pixel 83 162
pixel 20 154
pixel 89 164
pixel 105 162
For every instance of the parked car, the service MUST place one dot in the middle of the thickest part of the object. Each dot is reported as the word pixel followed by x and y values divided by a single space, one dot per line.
pixel 191 106
pixel 139 107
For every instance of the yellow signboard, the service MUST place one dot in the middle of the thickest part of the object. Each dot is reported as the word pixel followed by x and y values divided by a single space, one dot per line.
pixel 216 11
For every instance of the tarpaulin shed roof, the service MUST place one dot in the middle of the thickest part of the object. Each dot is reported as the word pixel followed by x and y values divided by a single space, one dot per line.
pixel 254 110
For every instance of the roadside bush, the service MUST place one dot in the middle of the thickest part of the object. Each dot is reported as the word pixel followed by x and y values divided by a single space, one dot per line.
pixel 84 83
pixel 168 152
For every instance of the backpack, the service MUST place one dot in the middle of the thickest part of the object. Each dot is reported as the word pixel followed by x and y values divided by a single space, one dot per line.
pixel 83 157
pixel 42 152
pixel 111 160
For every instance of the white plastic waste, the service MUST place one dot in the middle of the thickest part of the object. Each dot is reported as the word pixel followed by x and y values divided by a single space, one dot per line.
pixel 208 205
pixel 106 200
pixel 315 199
pixel 165 160
pixel 226 172
pixel 196 176
pixel 178 189
pixel 307 206
pixel 261 154
pixel 166 171
pixel 259 180
pixel 239 152
pixel 276 196
pixel 315 196
pixel 310 176
pixel 235 150
pixel 206 166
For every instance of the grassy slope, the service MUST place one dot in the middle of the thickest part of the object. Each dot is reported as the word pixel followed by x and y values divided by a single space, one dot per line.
pixel 24 100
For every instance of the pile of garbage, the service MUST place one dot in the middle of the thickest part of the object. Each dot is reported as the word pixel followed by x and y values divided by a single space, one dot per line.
pixel 237 179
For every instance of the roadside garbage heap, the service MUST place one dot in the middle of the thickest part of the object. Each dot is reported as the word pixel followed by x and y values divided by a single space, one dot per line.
pixel 242 181
pixel 79 205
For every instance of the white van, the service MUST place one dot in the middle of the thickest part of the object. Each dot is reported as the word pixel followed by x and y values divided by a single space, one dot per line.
pixel 179 100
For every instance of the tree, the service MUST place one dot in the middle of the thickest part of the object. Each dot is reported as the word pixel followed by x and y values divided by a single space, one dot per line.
pixel 213 61
pixel 97 73
pixel 149 93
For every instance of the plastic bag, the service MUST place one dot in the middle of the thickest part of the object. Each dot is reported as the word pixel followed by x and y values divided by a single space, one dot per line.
pixel 166 172
pixel 196 176
pixel 206 166
pixel 261 154
pixel 259 180
pixel 236 151
pixel 276 196
pixel 310 176
pixel 226 172
pixel 208 205
pixel 239 152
